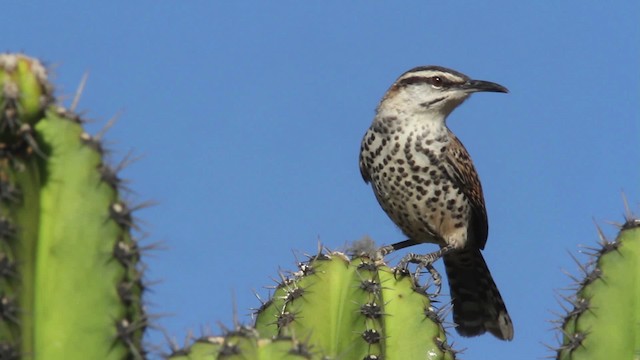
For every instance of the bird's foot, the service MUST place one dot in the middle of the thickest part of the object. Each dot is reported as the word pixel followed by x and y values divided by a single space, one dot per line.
pixel 423 262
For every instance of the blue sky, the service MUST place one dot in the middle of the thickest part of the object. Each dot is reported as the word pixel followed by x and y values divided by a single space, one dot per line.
pixel 249 115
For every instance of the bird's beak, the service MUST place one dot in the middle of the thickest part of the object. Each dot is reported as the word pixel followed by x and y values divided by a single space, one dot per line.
pixel 481 85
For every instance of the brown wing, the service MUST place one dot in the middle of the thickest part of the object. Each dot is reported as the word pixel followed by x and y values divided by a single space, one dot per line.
pixel 463 172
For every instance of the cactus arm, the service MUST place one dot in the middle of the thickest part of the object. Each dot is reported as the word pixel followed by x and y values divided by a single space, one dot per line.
pixel 77 303
pixel 605 320
pixel 24 94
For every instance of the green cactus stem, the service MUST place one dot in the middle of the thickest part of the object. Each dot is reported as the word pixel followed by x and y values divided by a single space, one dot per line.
pixel 70 279
pixel 356 309
pixel 603 322
pixel 335 307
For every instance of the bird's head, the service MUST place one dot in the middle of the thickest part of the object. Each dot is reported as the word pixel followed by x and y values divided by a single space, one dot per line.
pixel 434 89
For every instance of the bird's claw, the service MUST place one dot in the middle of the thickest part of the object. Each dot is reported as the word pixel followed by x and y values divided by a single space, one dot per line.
pixel 401 270
pixel 435 276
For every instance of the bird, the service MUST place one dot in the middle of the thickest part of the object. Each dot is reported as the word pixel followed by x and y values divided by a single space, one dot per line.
pixel 425 181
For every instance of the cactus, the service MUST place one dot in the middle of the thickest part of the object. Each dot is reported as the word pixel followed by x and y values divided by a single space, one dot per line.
pixel 69 266
pixel 603 323
pixel 340 308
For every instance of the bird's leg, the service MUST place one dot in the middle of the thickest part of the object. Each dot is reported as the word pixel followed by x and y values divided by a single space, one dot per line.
pixel 388 249
pixel 425 262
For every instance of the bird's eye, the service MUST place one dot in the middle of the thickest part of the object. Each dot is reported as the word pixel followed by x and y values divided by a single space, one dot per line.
pixel 436 81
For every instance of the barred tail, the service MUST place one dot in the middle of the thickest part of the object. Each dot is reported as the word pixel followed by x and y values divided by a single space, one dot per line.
pixel 477 304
